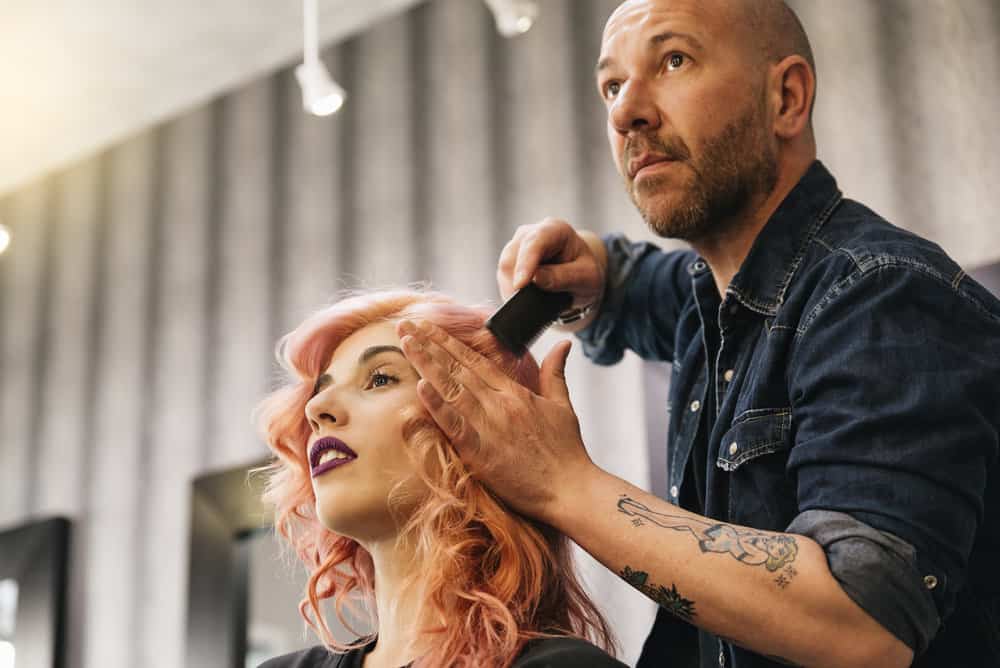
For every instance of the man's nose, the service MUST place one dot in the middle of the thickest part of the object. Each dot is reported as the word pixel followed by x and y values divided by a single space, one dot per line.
pixel 634 108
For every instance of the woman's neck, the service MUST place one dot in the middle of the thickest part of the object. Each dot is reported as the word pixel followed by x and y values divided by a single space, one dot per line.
pixel 397 643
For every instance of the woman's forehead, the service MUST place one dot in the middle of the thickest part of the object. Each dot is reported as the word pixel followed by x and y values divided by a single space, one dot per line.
pixel 345 357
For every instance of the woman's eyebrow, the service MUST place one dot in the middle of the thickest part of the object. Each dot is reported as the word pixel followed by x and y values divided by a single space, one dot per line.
pixel 326 378
pixel 378 350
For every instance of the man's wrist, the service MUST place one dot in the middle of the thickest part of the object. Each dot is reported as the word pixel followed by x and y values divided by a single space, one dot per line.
pixel 568 495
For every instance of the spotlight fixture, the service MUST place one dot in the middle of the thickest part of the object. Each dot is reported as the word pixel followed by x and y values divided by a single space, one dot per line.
pixel 514 17
pixel 320 93
pixel 4 238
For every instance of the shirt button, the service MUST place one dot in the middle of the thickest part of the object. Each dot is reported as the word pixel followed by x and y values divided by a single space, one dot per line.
pixel 930 581
pixel 733 448
pixel 695 405
pixel 673 491
pixel 729 375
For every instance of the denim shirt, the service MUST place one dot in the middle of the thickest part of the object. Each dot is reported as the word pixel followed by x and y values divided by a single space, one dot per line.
pixel 845 388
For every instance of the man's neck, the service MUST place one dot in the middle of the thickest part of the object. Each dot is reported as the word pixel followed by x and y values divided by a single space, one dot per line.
pixel 397 643
pixel 726 252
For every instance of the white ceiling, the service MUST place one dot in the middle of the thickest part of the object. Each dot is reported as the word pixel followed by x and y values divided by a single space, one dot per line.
pixel 77 76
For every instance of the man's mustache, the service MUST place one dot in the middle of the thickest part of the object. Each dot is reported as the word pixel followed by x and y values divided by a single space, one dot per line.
pixel 671 148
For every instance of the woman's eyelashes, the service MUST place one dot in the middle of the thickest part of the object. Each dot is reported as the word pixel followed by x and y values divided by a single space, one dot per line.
pixel 379 377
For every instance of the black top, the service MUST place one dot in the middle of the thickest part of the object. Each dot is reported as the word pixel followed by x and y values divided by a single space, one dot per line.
pixel 541 653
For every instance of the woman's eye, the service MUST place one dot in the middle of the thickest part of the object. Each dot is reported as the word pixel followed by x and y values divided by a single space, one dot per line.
pixel 379 379
pixel 674 61
pixel 612 89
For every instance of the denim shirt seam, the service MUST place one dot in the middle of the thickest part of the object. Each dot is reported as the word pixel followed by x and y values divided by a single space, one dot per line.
pixel 874 264
pixel 769 308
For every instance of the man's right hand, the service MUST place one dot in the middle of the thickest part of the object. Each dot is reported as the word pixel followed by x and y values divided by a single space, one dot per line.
pixel 557 258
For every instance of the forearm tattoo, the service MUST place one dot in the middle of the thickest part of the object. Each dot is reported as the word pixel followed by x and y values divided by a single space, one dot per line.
pixel 775 552
pixel 668 598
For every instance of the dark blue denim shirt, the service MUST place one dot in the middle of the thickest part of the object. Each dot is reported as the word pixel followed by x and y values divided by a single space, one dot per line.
pixel 846 388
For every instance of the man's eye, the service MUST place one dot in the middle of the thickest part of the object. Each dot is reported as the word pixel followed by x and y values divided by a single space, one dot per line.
pixel 674 61
pixel 612 89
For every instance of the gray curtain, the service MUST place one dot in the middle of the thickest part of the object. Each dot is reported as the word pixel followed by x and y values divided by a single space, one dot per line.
pixel 145 287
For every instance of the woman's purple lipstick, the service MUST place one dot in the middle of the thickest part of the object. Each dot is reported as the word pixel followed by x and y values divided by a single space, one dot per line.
pixel 321 446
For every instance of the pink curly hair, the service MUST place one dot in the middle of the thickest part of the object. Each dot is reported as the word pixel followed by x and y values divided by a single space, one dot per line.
pixel 491 579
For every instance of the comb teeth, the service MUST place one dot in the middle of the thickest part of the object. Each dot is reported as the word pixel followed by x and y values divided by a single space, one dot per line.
pixel 522 318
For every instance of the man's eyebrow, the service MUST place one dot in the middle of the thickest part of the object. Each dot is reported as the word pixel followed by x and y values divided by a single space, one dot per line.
pixel 602 64
pixel 654 41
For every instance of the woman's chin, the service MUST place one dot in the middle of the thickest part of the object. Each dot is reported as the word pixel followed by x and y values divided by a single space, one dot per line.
pixel 358 524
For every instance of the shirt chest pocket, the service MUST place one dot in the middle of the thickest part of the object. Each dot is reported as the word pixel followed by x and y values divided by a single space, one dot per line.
pixel 752 455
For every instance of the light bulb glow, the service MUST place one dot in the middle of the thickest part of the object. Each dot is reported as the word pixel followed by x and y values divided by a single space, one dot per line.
pixel 321 96
pixel 325 106
pixel 4 243
pixel 320 93
pixel 513 17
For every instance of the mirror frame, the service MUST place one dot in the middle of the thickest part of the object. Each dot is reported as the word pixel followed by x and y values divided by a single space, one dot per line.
pixel 226 506
pixel 36 555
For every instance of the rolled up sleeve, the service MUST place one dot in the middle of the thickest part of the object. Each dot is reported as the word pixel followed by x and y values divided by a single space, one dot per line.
pixel 895 403
pixel 878 571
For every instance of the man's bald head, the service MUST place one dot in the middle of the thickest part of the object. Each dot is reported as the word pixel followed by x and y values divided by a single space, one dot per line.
pixel 708 105
pixel 773 31
pixel 769 30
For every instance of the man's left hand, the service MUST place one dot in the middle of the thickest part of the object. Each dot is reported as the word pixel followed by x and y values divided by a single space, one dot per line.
pixel 520 444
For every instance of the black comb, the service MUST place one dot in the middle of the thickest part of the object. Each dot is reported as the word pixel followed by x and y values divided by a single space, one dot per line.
pixel 529 312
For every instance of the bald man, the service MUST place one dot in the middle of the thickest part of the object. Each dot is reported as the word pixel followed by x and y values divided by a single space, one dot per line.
pixel 834 402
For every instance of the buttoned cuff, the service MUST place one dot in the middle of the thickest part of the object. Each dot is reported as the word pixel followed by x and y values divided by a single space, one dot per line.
pixel 597 338
pixel 878 570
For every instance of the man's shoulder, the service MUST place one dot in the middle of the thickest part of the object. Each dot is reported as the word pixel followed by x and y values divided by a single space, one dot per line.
pixel 857 238
pixel 313 657
pixel 564 652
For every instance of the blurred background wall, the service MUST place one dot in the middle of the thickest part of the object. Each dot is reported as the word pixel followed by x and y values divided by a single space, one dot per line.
pixel 147 283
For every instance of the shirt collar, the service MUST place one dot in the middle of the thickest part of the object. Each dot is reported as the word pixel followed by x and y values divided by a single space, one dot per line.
pixel 763 278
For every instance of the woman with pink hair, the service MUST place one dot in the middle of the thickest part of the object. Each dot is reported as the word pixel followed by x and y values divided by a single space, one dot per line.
pixel 377 503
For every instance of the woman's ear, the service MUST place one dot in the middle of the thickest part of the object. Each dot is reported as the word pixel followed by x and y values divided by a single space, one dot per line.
pixel 793 89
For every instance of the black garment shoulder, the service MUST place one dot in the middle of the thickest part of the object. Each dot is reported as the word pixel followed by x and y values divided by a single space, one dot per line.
pixel 314 657
pixel 565 653
pixel 542 653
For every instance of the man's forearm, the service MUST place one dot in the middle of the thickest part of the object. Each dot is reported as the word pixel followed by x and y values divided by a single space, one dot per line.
pixel 769 592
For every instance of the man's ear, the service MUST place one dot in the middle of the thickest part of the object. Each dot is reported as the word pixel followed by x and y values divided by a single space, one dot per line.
pixel 792 88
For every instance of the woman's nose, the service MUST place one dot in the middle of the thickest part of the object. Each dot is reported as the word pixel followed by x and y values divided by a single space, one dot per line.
pixel 323 410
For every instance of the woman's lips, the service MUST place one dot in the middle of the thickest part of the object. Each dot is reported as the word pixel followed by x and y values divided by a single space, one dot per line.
pixel 326 444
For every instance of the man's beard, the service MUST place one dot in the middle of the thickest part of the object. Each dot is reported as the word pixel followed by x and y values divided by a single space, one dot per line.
pixel 733 167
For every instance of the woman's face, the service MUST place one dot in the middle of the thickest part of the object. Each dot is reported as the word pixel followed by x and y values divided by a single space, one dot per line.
pixel 356 449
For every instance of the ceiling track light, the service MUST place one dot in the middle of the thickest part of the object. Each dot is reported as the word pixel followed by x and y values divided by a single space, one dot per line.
pixel 321 95
pixel 513 17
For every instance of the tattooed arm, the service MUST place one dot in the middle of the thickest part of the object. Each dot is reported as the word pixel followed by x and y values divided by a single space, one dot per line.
pixel 772 593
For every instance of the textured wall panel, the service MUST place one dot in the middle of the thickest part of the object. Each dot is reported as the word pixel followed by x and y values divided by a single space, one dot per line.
pixel 383 237
pixel 23 283
pixel 117 493
pixel 242 349
pixel 176 365
pixel 459 163
pixel 66 355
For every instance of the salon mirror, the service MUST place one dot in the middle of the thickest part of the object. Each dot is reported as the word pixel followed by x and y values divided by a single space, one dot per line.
pixel 243 591
pixel 33 575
